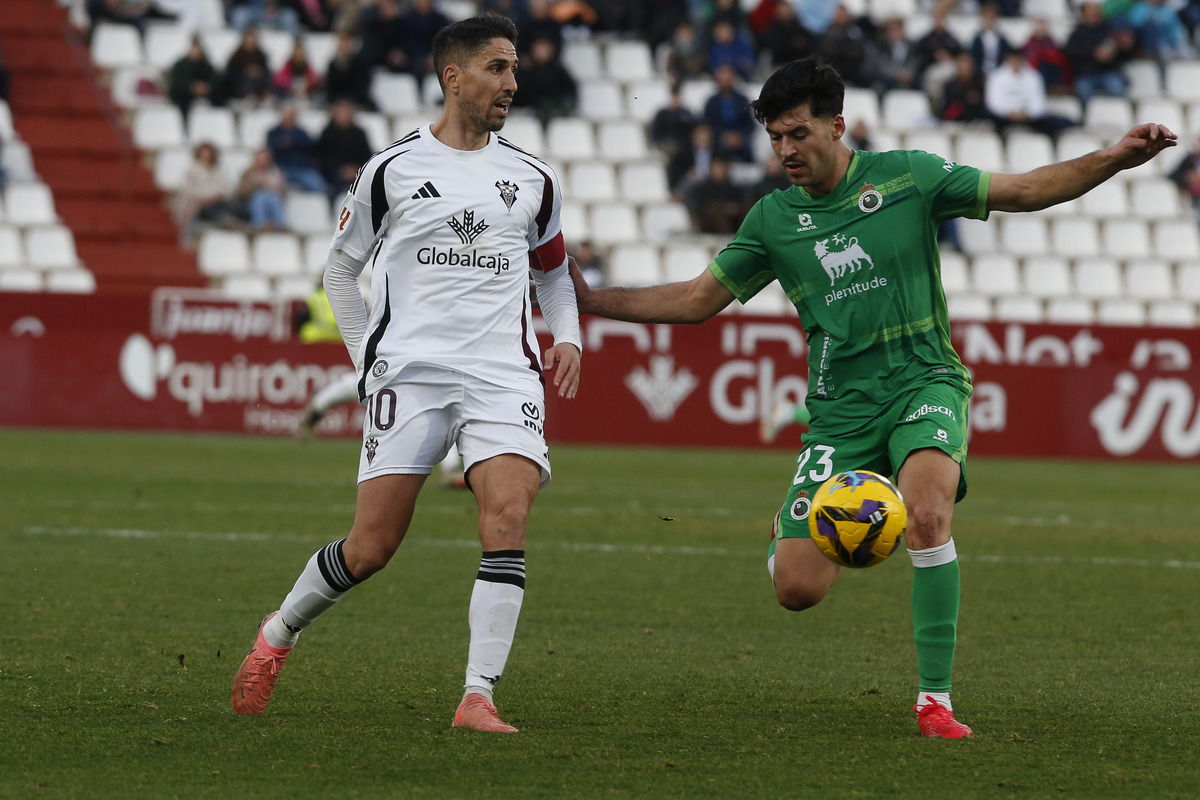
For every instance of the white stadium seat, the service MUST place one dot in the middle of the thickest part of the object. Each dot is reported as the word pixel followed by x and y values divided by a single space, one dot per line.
pixel 582 59
pixel 12 251
pixel 694 93
pixel 395 92
pixel 1182 80
pixel 71 281
pixel 1125 238
pixel 1027 150
pixel 904 109
pixel 308 212
pixel 622 140
pixel 995 275
pixel 1023 234
pixel 684 261
pixel 1070 311
pixel 575 224
pixel 955 278
pixel 17 161
pixel 321 47
pixel 29 203
pixel 1177 240
pixel 1189 281
pixel 600 99
pixel 277 254
pixel 50 247
pixel 165 44
pixel 861 105
pixel 316 254
pixel 1046 276
pixel 980 149
pixel 1155 199
pixel 661 221
pixel 570 138
pixel 977 236
pixel 276 45
pixel 1020 308
pixel 222 252
pixel 1109 199
pixel 614 223
pixel 525 132
pixel 633 265
pixel 628 60
pixel 1108 116
pixel 1145 78
pixel 170 166
pixel 969 307
pixel 1098 277
pixel 1075 143
pixel 644 99
pixel 244 286
pixel 1172 313
pixel 1163 110
pixel 254 124
pixel 24 279
pixel 643 182
pixel 771 301
pixel 591 181
pixel 114 45
pixel 1150 279
pixel 1075 236
pixel 219 44
pixel 377 126
pixel 158 126
pixel 1121 311
pixel 213 124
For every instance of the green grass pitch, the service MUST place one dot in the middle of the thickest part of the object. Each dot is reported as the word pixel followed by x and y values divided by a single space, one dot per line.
pixel 651 660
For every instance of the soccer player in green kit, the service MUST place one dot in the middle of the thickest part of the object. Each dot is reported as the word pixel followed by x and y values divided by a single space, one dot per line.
pixel 853 242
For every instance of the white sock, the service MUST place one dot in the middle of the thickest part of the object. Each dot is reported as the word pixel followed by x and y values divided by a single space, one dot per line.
pixel 941 698
pixel 324 581
pixel 495 607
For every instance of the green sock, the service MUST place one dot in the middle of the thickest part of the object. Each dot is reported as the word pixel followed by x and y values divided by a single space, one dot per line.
pixel 935 595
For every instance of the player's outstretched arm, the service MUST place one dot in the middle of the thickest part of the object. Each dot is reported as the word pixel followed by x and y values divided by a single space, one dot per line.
pixel 696 300
pixel 1057 183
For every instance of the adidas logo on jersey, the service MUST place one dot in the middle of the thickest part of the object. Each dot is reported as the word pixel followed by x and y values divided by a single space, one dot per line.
pixel 428 190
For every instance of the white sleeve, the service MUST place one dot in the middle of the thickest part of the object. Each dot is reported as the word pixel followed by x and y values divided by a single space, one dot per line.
pixel 556 296
pixel 345 298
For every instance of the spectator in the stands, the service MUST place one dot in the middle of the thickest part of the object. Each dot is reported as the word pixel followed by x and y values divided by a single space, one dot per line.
pixel 892 59
pixel 938 44
pixel 727 112
pixel 989 45
pixel 724 11
pixel 858 135
pixel 420 24
pixel 260 190
pixel 844 45
pixel 296 79
pixel 588 259
pixel 247 75
pixel 1045 55
pixel 204 196
pixel 785 39
pixel 4 77
pixel 1098 52
pixel 540 24
pixel 671 129
pixel 576 14
pixel 342 148
pixel 962 96
pixel 1186 175
pixel 265 15
pixel 347 76
pixel 685 53
pixel 817 15
pixel 1015 94
pixel 546 86
pixel 732 46
pixel 1160 30
pixel 126 12
pixel 773 177
pixel 193 78
pixel 295 152
pixel 714 202
pixel 315 15
pixel 691 163
pixel 382 27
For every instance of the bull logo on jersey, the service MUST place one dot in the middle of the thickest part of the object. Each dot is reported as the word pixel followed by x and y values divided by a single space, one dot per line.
pixel 508 192
pixel 468 229
pixel 850 257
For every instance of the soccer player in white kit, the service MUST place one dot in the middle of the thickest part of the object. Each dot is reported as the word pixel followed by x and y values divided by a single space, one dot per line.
pixel 453 220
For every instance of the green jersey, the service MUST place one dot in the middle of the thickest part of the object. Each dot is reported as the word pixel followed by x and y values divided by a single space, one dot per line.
pixel 861 267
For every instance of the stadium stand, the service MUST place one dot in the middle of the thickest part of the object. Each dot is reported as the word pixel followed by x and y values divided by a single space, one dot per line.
pixel 93 150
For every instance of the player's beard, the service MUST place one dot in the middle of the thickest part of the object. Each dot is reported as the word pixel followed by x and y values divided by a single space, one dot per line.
pixel 480 117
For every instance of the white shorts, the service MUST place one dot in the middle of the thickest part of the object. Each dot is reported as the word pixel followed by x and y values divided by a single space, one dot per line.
pixel 411 423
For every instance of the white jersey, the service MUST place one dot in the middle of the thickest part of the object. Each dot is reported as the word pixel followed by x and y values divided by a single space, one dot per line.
pixel 451 236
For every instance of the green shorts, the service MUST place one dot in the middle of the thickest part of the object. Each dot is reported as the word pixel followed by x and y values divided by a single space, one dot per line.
pixel 932 416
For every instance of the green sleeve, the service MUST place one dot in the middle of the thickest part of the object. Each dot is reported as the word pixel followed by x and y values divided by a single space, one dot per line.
pixel 743 266
pixel 952 190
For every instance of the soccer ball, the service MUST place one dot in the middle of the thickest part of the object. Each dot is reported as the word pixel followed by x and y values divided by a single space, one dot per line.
pixel 857 518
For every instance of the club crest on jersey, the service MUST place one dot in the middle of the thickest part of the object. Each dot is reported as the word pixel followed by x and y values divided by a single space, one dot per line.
pixel 371 444
pixel 869 199
pixel 508 192
pixel 468 229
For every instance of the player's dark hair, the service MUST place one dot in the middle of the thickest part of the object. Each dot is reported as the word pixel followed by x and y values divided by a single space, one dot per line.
pixel 461 41
pixel 812 81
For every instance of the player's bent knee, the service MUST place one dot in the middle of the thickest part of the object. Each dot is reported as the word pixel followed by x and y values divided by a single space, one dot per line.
pixel 365 558
pixel 798 596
